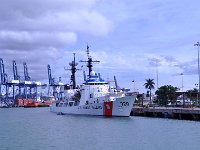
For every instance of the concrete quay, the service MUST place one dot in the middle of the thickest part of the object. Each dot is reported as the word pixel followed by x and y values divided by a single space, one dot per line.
pixel 167 112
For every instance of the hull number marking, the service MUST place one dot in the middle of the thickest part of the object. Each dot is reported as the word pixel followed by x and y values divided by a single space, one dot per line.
pixel 124 103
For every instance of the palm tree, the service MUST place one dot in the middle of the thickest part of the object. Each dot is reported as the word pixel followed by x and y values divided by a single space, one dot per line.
pixel 149 85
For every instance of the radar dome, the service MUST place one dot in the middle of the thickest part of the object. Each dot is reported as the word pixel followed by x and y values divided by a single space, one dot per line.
pixel 92 73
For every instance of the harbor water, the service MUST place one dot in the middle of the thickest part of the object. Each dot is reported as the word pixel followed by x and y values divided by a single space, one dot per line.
pixel 39 129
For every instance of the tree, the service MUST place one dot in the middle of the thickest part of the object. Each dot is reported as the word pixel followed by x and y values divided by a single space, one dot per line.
pixel 149 85
pixel 192 94
pixel 194 90
pixel 165 93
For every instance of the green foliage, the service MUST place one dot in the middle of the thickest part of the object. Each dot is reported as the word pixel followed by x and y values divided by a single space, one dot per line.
pixel 149 85
pixel 195 90
pixel 192 94
pixel 148 94
pixel 165 93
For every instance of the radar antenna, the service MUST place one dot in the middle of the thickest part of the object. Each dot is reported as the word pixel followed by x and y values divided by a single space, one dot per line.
pixel 73 70
pixel 89 61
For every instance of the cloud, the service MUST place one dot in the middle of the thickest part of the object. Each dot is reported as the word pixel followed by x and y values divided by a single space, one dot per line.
pixel 37 61
pixel 38 32
pixel 189 67
pixel 54 16
pixel 21 40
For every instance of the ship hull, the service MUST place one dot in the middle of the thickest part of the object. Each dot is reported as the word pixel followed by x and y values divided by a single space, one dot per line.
pixel 120 107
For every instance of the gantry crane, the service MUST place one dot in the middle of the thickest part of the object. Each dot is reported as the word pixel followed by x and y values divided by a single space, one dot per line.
pixel 4 80
pixel 57 87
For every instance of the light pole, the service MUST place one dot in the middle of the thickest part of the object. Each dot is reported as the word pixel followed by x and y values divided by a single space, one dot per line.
pixel 157 73
pixel 182 90
pixel 198 44
pixel 197 92
pixel 134 85
pixel 182 81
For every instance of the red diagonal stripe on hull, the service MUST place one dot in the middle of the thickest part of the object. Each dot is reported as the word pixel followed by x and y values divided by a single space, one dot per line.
pixel 108 106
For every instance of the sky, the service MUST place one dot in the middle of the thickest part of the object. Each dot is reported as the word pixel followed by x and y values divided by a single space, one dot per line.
pixel 132 39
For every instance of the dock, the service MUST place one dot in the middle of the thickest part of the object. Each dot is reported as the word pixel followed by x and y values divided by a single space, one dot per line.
pixel 167 112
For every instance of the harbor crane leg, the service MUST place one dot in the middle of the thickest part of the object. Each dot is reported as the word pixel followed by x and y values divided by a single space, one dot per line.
pixel 16 77
pixel 4 80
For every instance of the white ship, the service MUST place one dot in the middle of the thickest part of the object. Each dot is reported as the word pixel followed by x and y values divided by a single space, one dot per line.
pixel 95 97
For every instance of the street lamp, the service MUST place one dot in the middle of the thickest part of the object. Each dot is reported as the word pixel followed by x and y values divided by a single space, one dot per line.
pixel 157 73
pixel 134 85
pixel 183 96
pixel 182 81
pixel 197 92
pixel 198 44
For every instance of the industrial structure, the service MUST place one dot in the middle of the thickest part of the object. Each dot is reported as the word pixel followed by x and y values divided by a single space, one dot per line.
pixel 56 86
pixel 21 90
pixel 17 91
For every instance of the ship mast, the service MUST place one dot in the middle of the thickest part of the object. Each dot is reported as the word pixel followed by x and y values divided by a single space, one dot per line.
pixel 73 70
pixel 89 61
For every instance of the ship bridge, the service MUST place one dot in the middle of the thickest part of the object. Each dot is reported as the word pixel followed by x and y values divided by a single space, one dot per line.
pixel 94 79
